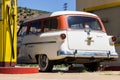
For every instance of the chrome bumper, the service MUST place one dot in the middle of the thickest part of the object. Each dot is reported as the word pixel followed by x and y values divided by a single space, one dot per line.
pixel 95 54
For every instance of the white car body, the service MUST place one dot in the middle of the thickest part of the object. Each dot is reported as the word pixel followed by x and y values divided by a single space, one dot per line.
pixel 78 45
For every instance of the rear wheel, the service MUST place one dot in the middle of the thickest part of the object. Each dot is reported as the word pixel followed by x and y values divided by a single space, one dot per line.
pixel 44 63
pixel 92 66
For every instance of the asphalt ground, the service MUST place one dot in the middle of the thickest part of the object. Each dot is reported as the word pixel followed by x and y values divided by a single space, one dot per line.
pixel 64 75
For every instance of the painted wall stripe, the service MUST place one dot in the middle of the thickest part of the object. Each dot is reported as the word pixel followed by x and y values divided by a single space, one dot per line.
pixel 104 6
pixel 117 44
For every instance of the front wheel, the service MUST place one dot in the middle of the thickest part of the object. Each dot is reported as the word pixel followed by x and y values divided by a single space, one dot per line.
pixel 44 63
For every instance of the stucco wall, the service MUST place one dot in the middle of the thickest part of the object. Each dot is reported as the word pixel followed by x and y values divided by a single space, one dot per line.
pixel 81 4
pixel 112 17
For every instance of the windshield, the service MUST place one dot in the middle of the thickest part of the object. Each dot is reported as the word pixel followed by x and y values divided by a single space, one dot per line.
pixel 79 22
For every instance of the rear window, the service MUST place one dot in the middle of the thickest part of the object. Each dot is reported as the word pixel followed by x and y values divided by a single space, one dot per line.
pixel 79 22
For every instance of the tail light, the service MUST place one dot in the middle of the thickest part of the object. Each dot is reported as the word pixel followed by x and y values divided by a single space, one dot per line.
pixel 113 38
pixel 63 36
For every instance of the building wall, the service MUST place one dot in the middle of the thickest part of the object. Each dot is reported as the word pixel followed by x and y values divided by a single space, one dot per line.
pixel 81 4
pixel 111 16
pixel 111 19
pixel 109 12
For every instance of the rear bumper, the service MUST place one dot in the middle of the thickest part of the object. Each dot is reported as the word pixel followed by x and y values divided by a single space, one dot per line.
pixel 89 54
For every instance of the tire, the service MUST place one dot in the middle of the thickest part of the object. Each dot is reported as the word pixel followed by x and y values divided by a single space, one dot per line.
pixel 91 67
pixel 44 63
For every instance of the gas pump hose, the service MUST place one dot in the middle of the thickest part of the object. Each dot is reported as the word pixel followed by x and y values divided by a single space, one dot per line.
pixel 11 36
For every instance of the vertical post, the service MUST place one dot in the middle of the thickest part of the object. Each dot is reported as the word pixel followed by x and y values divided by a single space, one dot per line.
pixel 1 33
pixel 8 33
pixel 65 6
pixel 1 9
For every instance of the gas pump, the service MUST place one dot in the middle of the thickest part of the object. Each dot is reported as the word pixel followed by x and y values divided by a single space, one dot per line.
pixel 8 37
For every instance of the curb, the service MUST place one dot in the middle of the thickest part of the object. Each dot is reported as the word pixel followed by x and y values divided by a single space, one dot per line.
pixel 18 70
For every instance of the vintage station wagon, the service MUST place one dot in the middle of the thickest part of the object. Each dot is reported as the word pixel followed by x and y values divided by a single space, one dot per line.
pixel 65 37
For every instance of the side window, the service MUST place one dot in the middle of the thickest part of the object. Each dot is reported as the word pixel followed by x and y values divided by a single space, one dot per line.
pixel 22 30
pixel 35 27
pixel 54 24
pixel 46 25
pixel 50 24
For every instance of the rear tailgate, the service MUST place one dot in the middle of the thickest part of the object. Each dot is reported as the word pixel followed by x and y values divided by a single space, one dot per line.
pixel 79 40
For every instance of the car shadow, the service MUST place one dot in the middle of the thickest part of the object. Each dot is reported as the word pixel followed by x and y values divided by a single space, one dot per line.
pixel 68 70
